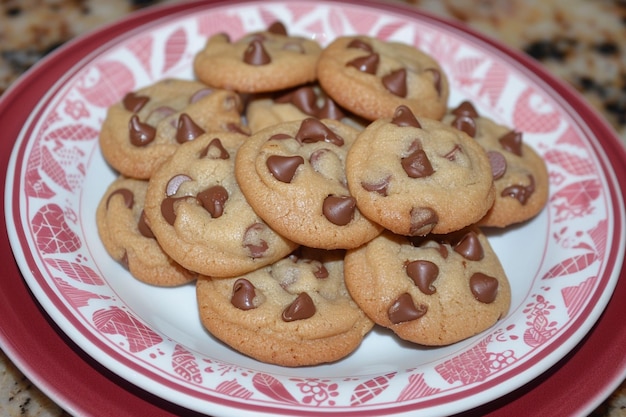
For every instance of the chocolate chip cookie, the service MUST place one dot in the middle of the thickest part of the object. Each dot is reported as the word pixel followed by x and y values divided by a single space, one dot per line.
pixel 433 290
pixel 415 175
pixel 295 312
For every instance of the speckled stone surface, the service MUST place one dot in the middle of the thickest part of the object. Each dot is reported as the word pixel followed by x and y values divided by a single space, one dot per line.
pixel 580 41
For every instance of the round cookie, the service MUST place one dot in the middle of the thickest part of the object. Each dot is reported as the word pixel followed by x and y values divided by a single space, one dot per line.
pixel 127 238
pixel 520 175
pixel 293 176
pixel 416 176
pixel 199 215
pixel 258 62
pixel 295 312
pixel 434 290
pixel 296 104
pixel 371 78
pixel 147 125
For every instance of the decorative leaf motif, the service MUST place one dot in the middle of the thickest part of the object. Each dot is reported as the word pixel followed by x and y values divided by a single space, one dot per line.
pixel 76 271
pixel 76 297
pixel 360 22
pixel 54 170
pixel 175 47
pixel 575 297
pixel 571 265
pixel 142 49
pixel 388 30
pixel 106 83
pixel 494 81
pixel 570 137
pixel 52 233
pixel 184 364
pixel 36 187
pixel 599 236
pixel 211 23
pixel 370 389
pixel 233 388
pixel 273 388
pixel 533 114
pixel 540 330
pixel 116 321
pixel 468 367
pixel 571 163
pixel 416 388
pixel 77 132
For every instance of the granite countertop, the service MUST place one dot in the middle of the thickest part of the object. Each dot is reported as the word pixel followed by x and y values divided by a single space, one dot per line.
pixel 580 41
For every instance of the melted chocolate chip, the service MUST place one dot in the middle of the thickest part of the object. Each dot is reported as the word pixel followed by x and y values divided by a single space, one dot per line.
pixel 417 164
pixel 213 200
pixel 255 54
pixel 198 95
pixel 404 309
pixel 134 102
pixel 312 130
pixel 483 287
pixel 465 124
pixel 280 136
pixel 319 271
pixel 283 168
pixel 520 192
pixel 466 108
pixel 126 194
pixel 403 116
pixel 469 247
pixel 304 98
pixel 451 156
pixel 243 295
pixel 215 150
pixel 167 209
pixel 330 110
pixel 174 184
pixel 143 227
pixel 512 142
pixel 253 240
pixel 367 64
pixel 302 308
pixel 498 164
pixel 277 28
pixel 379 187
pixel 423 220
pixel 140 133
pixel 339 210
pixel 359 44
pixel 423 273
pixel 395 82
pixel 187 130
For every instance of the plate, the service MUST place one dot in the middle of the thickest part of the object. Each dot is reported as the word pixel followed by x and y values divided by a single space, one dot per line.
pixel 151 338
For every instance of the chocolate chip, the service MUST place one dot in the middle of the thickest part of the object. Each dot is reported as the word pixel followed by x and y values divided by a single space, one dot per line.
pixel 243 295
pixel 320 271
pixel 403 116
pixel 465 124
pixel 469 247
pixel 302 308
pixel 330 110
pixel 140 133
pixel 198 95
pixel 359 44
pixel 280 136
pixel 498 164
pixel 483 287
pixel 167 209
pixel 143 227
pixel 339 210
pixel 304 98
pixel 423 273
pixel 126 194
pixel 133 102
pixel 277 28
pixel 417 164
pixel 466 108
pixel 395 82
pixel 520 192
pixel 404 309
pixel 312 130
pixel 367 64
pixel 451 156
pixel 255 54
pixel 512 142
pixel 283 168
pixel 174 184
pixel 187 130
pixel 379 187
pixel 253 240
pixel 423 220
pixel 213 200
pixel 215 150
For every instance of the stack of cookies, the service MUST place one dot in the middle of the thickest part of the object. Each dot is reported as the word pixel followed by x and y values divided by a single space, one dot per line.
pixel 312 193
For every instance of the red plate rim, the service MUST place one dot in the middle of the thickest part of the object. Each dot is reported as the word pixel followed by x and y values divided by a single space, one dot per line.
pixel 54 363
